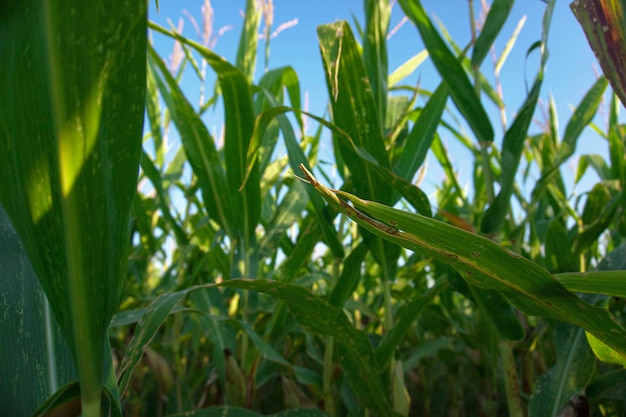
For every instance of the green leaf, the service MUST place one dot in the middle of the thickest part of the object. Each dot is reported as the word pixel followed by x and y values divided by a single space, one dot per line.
pixel 422 134
pixel 404 320
pixel 248 41
pixel 512 147
pixel 377 15
pixel 315 315
pixel 36 359
pixel 451 71
pixel 611 283
pixel 198 143
pixel 583 115
pixel 603 24
pixel 296 157
pixel 147 328
pixel 595 161
pixel 239 122
pixel 570 375
pixel 496 18
pixel 481 262
pixel 241 412
pixel 285 215
pixel 354 109
pixel 350 276
pixel 407 68
pixel 72 92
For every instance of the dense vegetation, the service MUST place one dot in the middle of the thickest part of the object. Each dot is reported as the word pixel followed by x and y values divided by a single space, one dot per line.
pixel 251 288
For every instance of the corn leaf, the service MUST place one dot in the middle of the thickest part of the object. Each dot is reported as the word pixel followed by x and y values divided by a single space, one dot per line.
pixel 481 262
pixel 72 93
pixel 451 71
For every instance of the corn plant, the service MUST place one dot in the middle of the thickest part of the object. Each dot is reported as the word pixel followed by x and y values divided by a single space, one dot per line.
pixel 250 291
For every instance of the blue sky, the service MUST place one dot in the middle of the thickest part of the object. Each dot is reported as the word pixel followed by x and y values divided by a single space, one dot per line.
pixel 569 74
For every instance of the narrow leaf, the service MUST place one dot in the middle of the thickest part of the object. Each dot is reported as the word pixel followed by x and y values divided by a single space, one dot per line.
pixel 451 72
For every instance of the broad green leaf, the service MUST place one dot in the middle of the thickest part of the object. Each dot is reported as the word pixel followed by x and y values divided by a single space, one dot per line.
pixel 72 92
pixel 310 234
pixel 611 386
pixel 602 206
pixel 569 376
pixel 558 248
pixel 36 360
pixel 496 18
pixel 499 313
pixel 613 267
pixel 611 283
pixel 481 262
pixel 354 109
pixel 451 71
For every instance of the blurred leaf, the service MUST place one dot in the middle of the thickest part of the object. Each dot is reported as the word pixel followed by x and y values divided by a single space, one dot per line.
pixel 147 328
pixel 509 46
pixel 600 210
pixel 377 15
pixel 153 174
pixel 315 315
pixel 583 115
pixel 241 412
pixel 235 386
pixel 596 162
pixel 296 157
pixel 558 248
pixel 407 68
pixel 570 375
pixel 350 276
pixel 611 283
pixel 404 320
pixel 72 92
pixel 496 18
pixel 285 215
pixel 451 71
pixel 248 41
